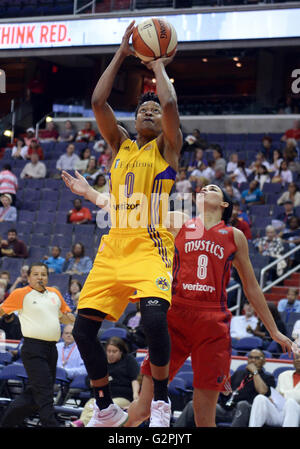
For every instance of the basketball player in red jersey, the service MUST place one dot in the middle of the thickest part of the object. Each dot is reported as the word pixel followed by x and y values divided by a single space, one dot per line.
pixel 199 320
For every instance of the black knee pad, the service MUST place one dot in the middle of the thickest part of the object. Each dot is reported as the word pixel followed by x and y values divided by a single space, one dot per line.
pixel 154 322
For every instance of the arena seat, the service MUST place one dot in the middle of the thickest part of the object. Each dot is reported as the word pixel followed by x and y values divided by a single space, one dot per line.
pixel 280 370
pixel 248 343
pixel 114 332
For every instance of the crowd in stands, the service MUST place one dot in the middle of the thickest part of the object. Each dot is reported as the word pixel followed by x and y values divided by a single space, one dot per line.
pixel 41 220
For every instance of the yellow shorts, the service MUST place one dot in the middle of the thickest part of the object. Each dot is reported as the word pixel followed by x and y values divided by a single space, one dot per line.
pixel 130 263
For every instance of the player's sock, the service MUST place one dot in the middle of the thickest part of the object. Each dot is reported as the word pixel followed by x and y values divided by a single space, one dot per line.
pixel 103 396
pixel 161 389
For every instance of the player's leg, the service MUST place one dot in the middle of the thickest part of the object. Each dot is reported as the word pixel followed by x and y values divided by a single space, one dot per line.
pixel 154 320
pixel 204 403
pixel 85 332
pixel 139 410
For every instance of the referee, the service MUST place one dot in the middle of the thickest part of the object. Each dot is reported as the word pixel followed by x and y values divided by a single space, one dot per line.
pixel 40 309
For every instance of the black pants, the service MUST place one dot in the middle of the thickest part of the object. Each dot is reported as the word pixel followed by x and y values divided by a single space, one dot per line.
pixel 39 359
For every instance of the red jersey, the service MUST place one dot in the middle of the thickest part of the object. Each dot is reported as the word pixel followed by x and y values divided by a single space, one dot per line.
pixel 202 263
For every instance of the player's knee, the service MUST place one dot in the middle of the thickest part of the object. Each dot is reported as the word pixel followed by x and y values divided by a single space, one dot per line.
pixel 84 330
pixel 154 314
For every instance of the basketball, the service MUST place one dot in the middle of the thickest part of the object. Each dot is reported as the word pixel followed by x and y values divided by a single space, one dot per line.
pixel 154 38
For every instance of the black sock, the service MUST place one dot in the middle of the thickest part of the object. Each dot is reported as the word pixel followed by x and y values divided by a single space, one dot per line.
pixel 103 396
pixel 161 389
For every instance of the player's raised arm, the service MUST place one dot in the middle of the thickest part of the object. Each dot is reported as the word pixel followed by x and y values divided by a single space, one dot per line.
pixel 253 291
pixel 105 117
pixel 172 136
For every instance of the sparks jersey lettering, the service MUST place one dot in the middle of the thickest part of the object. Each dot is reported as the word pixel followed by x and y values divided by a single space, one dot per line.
pixel 139 180
pixel 202 265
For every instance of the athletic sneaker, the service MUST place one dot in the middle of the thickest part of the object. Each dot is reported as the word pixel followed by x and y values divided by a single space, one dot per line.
pixel 112 416
pixel 160 414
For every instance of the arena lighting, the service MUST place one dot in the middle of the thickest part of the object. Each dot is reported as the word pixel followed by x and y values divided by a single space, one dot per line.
pixel 49 119
pixel 172 80
pixel 204 59
pixel 7 133
pixel 238 64
pixel 236 58
pixel 153 80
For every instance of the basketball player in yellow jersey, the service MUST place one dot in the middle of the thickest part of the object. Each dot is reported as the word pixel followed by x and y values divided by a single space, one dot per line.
pixel 137 254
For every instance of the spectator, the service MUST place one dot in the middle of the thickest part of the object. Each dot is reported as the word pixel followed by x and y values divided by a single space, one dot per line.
pixel 87 134
pixel 290 153
pixel 8 182
pixel 19 151
pixel 262 176
pixel 49 134
pixel 10 324
pixel 200 141
pixel 296 332
pixel 198 161
pixel 6 276
pixel 261 331
pixel 132 323
pixel 253 195
pixel 239 222
pixel 68 133
pixel 71 295
pixel 76 262
pixel 293 133
pixel 82 164
pixel 79 215
pixel 270 245
pixel 220 163
pixel 267 148
pixel 105 160
pixel 68 354
pixel 291 235
pixel 2 291
pixel 7 211
pixel 123 371
pixel 68 160
pixel 54 263
pixel 12 247
pixel 239 327
pixel 232 191
pixel 34 169
pixel 276 161
pixel 22 280
pixel 241 173
pixel 203 173
pixel 233 163
pixel 289 211
pixel 35 147
pixel 246 385
pixel 289 304
pixel 183 185
pixel 91 169
pixel 283 175
pixel 292 194
pixel 220 178
pixel 282 408
pixel 100 184
pixel 30 134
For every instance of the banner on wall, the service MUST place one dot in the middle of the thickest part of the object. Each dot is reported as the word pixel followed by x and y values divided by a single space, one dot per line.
pixel 220 26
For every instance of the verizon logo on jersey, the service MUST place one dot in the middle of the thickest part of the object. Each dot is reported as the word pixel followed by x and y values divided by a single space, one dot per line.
pixel 198 287
pixel 204 245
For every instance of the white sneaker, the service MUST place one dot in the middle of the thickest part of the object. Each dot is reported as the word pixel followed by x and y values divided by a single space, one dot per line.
pixel 112 416
pixel 160 414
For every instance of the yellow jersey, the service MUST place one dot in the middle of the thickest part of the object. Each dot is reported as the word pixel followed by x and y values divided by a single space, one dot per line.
pixel 140 182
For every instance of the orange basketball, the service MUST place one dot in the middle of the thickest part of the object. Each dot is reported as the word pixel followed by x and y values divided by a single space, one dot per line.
pixel 154 38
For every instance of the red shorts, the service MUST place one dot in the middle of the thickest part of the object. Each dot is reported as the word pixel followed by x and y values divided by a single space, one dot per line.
pixel 203 334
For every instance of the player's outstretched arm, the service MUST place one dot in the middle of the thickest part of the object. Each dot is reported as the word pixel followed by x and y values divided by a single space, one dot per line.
pixel 253 291
pixel 105 117
pixel 172 135
pixel 80 186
